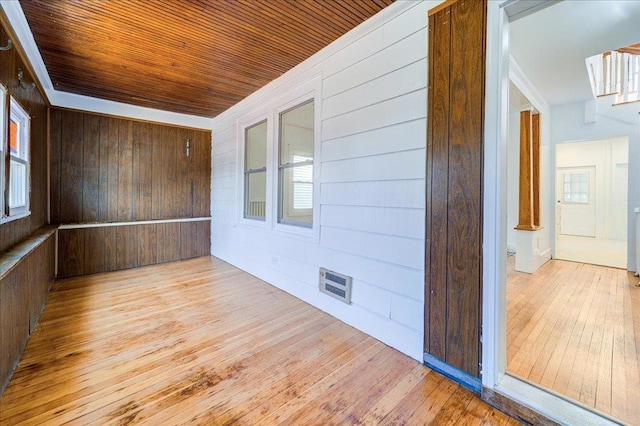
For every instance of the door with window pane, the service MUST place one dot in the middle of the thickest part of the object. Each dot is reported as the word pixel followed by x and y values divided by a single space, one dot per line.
pixel 576 201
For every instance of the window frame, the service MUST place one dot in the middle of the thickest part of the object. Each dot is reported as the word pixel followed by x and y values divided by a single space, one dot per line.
pixel 568 194
pixel 246 122
pixel 248 172
pixel 282 168
pixel 4 145
pixel 20 115
pixel 306 92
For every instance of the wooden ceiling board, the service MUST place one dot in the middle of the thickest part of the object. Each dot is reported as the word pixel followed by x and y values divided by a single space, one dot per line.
pixel 195 57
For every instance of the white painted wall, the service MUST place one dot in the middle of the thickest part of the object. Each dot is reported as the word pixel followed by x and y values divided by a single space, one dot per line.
pixel 371 163
pixel 568 124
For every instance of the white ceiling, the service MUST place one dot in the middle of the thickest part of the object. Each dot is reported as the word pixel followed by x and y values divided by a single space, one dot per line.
pixel 551 45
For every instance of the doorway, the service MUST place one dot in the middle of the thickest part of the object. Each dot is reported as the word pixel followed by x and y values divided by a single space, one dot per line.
pixel 573 119
pixel 591 194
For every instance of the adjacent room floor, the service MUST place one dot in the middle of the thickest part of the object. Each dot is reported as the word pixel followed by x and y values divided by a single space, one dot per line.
pixel 574 328
pixel 202 342
pixel 596 251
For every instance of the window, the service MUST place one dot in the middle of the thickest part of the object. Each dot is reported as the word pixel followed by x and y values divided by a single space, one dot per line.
pixel 295 165
pixel 255 171
pixel 575 188
pixel 3 131
pixel 18 152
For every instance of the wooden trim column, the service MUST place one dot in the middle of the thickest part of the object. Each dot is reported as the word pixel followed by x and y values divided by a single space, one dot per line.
pixel 529 177
pixel 535 152
pixel 455 149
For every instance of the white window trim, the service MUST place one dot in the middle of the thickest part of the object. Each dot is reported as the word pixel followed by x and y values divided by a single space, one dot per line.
pixel 248 173
pixel 310 91
pixel 21 114
pixel 243 124
pixel 4 142
pixel 293 166
pixel 270 111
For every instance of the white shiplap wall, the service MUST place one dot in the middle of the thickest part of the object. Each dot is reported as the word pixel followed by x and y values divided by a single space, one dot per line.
pixel 373 103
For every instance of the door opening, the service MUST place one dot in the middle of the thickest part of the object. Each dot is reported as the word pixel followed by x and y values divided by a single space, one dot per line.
pixel 591 201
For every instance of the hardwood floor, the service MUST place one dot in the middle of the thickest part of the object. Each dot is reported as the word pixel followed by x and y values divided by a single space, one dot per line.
pixel 574 328
pixel 201 342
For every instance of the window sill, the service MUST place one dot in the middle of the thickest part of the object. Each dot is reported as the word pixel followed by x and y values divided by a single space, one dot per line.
pixel 10 258
pixel 254 223
pixel 297 231
pixel 15 217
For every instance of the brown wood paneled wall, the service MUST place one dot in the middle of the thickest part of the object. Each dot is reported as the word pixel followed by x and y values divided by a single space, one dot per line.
pixel 453 255
pixel 23 291
pixel 107 169
pixel 34 103
pixel 89 250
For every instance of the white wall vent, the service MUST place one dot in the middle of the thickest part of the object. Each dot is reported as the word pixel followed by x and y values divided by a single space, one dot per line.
pixel 335 285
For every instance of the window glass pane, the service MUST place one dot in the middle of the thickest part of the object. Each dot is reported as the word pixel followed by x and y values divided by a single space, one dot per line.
pixel 256 146
pixel 296 145
pixel 13 137
pixel 256 195
pixel 297 195
pixel 583 187
pixel 575 188
pixel 302 195
pixel 302 173
pixel 296 134
pixel 17 190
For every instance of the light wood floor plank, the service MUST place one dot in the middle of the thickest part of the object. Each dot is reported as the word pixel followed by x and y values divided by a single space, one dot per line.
pixel 575 330
pixel 200 342
pixel 266 366
pixel 399 391
pixel 426 391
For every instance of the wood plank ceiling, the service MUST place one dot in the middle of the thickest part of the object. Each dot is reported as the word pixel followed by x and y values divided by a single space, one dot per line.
pixel 196 57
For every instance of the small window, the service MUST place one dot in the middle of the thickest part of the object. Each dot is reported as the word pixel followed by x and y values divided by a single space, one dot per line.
pixel 575 188
pixel 295 165
pixel 255 171
pixel 3 131
pixel 18 150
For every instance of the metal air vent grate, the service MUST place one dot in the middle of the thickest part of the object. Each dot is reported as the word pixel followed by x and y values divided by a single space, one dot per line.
pixel 335 285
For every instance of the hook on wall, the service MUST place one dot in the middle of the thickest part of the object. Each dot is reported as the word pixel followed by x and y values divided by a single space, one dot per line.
pixel 8 46
pixel 26 86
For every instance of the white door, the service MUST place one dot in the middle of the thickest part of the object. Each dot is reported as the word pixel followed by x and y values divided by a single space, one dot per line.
pixel 576 201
